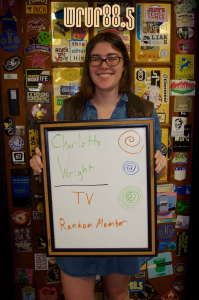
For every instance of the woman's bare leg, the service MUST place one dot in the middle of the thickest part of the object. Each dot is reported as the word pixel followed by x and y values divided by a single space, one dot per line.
pixel 116 286
pixel 78 288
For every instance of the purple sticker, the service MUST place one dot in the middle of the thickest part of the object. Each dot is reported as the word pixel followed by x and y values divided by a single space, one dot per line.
pixel 5 4
pixel 185 46
pixel 166 233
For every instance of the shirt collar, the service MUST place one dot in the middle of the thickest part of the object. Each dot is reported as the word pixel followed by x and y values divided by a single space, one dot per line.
pixel 123 98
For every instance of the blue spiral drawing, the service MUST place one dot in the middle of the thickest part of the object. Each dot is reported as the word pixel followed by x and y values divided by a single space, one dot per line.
pixel 130 167
pixel 130 197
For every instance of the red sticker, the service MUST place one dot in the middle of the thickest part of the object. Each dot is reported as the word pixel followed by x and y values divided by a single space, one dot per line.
pixel 21 217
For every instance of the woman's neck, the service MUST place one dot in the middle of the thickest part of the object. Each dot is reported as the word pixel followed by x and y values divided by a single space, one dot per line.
pixel 105 98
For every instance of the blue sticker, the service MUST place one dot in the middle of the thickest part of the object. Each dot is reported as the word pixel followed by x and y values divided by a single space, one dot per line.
pixel 184 189
pixel 136 286
pixel 166 232
pixel 139 22
pixel 180 269
pixel 8 21
pixel 16 143
pixel 20 186
pixel 167 246
pixel 10 41
pixel 37 48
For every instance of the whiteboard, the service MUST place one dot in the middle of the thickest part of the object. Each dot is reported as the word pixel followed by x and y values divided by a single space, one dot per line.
pixel 98 187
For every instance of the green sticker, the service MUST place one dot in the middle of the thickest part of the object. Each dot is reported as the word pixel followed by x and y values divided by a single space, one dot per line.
pixel 44 38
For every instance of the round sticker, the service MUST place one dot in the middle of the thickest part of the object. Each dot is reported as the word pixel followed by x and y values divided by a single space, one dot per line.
pixel 16 143
pixel 166 233
pixel 185 46
pixel 44 38
pixel 12 63
pixel 9 126
pixel 10 41
pixel 185 32
pixel 39 111
pixel 180 269
pixel 21 218
pixel 70 74
pixel 164 53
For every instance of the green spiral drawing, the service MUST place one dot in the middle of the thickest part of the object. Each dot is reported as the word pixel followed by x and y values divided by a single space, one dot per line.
pixel 130 197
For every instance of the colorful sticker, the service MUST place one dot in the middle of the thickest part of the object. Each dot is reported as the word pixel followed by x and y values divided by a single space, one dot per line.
pixel 38 111
pixel 170 295
pixel 28 293
pixel 178 284
pixel 21 218
pixel 24 276
pixel 32 77
pixel 184 66
pixel 37 47
pixel 180 269
pixel 166 233
pixel 161 265
pixel 136 286
pixel 12 63
pixel 10 41
pixel 180 157
pixel 9 126
pixel 185 46
pixel 36 9
pixel 167 246
pixel 22 240
pixel 166 204
pixel 183 87
pixel 16 143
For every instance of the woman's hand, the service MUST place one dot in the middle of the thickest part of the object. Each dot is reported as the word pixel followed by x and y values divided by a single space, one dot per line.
pixel 161 163
pixel 35 161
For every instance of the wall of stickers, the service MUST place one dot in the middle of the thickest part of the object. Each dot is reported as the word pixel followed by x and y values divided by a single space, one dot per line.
pixel 41 66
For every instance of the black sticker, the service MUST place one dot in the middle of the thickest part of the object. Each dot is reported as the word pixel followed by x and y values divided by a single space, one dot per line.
pixel 183 114
pixel 12 63
pixel 32 77
pixel 41 241
pixel 9 126
pixel 18 158
pixel 183 143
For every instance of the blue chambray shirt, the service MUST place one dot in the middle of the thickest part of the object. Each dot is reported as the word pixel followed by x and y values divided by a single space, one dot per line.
pixel 105 265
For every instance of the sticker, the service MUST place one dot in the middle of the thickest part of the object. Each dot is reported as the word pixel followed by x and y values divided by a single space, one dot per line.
pixel 53 274
pixel 10 76
pixel 32 77
pixel 22 240
pixel 166 204
pixel 185 19
pixel 182 222
pixel 38 97
pixel 164 149
pixel 44 78
pixel 20 130
pixel 48 293
pixel 136 286
pixel 184 66
pixel 180 157
pixel 182 104
pixel 16 143
pixel 183 114
pixel 36 24
pixel 38 60
pixel 21 218
pixel 28 293
pixel 33 39
pixel 37 47
pixel 153 95
pixel 33 140
pixel 160 221
pixel 167 246
pixel 178 124
pixel 184 189
pixel 37 216
pixel 185 46
pixel 61 53
pixel 183 87
pixel 155 13
pixel 24 276
pixel 164 53
pixel 185 33
pixel 183 144
pixel 38 111
pixel 12 63
pixel 41 261
pixel 170 295
pixel 180 269
pixel 10 41
pixel 40 208
pixel 180 173
pixel 178 284
pixel 20 186
pixel 8 21
pixel 33 1
pixel 166 188
pixel 18 158
pixel 162 117
pixel 161 265
pixel 141 274
pixel 182 244
pixel 183 7
pixel 9 4
pixel 41 241
pixel 9 126
pixel 36 9
pixel 166 233
pixel 44 38
pixel 149 294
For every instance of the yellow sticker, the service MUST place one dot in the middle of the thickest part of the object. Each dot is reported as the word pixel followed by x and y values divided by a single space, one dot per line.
pixel 184 66
pixel 32 141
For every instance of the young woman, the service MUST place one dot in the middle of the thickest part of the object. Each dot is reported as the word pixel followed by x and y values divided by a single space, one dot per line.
pixel 105 93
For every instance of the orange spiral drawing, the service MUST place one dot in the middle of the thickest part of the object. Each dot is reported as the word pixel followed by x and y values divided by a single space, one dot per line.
pixel 130 142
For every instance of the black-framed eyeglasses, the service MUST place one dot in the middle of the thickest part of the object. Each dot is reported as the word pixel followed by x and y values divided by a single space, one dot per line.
pixel 110 61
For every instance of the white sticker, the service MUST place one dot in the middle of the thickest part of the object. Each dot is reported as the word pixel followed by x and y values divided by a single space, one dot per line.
pixel 180 173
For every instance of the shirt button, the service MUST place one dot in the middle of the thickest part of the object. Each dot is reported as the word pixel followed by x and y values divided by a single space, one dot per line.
pixel 93 258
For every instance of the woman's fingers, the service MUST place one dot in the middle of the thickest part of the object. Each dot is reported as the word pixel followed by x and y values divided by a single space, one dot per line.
pixel 35 161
